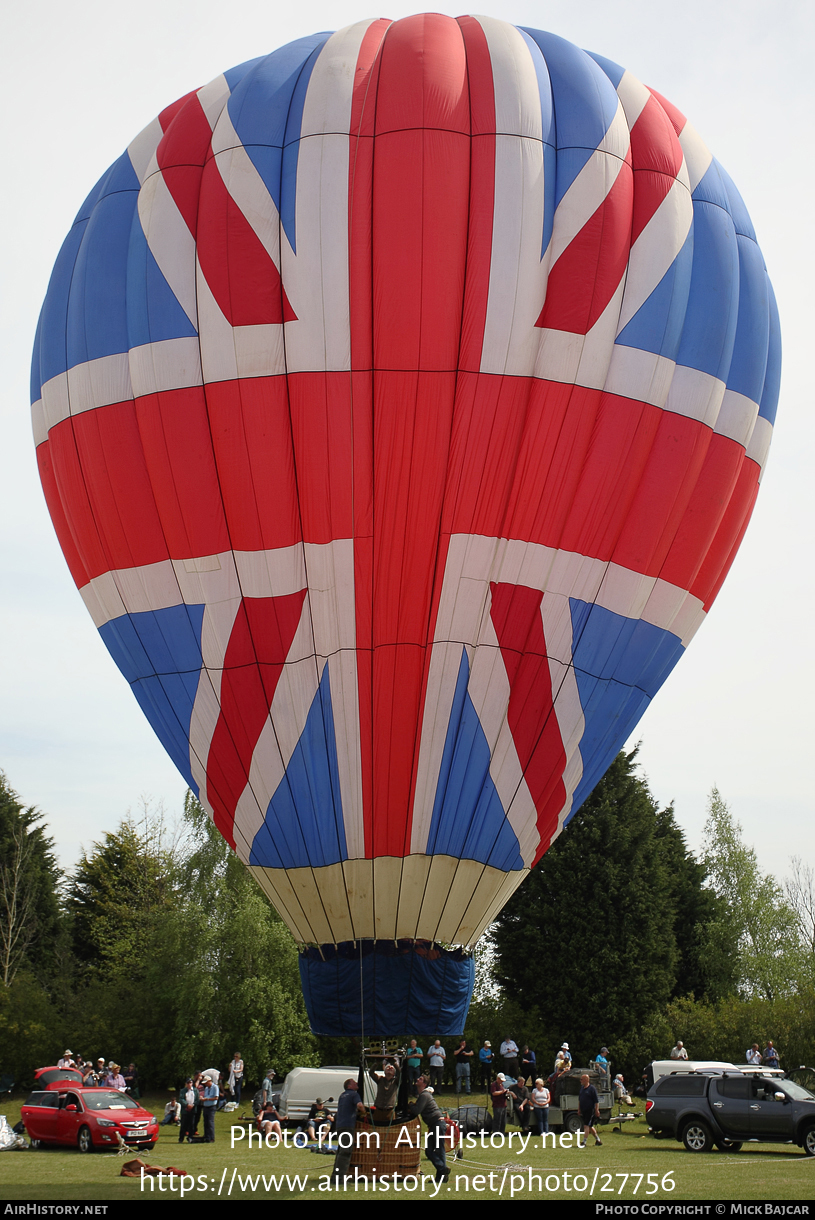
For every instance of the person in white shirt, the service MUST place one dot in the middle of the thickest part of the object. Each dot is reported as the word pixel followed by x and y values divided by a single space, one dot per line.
pixel 754 1055
pixel 236 1077
pixel 437 1055
pixel 509 1053
pixel 679 1051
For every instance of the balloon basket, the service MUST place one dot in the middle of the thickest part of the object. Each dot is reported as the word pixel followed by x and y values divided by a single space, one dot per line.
pixel 387 1152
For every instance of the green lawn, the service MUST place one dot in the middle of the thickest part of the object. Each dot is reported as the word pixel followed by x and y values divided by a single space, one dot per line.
pixel 620 1169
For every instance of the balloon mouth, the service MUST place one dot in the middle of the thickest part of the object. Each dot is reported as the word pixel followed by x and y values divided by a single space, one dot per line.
pixel 385 988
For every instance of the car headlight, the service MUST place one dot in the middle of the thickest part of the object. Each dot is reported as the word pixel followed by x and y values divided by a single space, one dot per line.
pixel 105 1122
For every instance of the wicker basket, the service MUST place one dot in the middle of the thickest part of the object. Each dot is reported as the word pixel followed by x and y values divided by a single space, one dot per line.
pixel 386 1160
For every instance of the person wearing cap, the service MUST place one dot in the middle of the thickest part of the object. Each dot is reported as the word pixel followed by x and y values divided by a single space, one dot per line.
pixel 485 1062
pixel 267 1087
pixel 498 1093
pixel 115 1079
pixel 188 1101
pixel 564 1056
pixel 319 1119
pixel 209 1097
pixel 602 1061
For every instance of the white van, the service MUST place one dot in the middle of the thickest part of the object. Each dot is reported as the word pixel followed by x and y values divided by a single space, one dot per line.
pixel 303 1086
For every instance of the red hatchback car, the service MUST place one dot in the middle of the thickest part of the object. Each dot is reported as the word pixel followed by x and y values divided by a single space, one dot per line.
pixel 56 1078
pixel 87 1118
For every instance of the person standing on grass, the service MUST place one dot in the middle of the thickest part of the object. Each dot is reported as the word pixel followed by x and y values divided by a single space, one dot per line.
pixel 589 1105
pixel 414 1063
pixel 540 1100
pixel 509 1053
pixel 485 1060
pixel 236 1077
pixel 498 1093
pixel 349 1108
pixel 187 1101
pixel 209 1098
pixel 463 1054
pixel 437 1055
pixel 425 1107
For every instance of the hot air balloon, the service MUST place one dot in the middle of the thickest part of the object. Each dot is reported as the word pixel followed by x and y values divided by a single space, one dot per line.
pixel 401 398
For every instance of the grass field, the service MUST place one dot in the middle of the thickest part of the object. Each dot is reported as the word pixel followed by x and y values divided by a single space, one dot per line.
pixel 631 1165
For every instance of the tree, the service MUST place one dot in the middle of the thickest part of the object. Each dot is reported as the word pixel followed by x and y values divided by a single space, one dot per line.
pixel 116 897
pixel 799 890
pixel 756 914
pixel 29 888
pixel 225 972
pixel 592 936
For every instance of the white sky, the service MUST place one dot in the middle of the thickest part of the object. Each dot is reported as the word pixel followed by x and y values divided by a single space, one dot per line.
pixel 85 77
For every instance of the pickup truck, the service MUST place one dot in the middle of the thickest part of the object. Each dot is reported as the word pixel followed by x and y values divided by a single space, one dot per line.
pixel 703 1109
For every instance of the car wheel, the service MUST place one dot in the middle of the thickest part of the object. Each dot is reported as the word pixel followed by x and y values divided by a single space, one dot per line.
pixel 697 1138
pixel 729 1145
pixel 573 1123
pixel 85 1140
pixel 808 1140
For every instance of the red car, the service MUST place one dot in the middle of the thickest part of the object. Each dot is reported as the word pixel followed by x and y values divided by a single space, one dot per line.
pixel 87 1118
pixel 56 1078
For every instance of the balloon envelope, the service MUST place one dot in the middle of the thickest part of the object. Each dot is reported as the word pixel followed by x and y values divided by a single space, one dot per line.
pixel 400 399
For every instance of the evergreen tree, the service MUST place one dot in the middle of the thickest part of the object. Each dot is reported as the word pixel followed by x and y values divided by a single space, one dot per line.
pixel 596 937
pixel 29 889
pixel 118 894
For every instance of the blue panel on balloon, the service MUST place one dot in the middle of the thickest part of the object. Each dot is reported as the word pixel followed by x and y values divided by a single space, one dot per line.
pixel 469 821
pixel 266 110
pixel 159 652
pixel 620 664
pixel 154 312
pixel 303 825
pixel 407 987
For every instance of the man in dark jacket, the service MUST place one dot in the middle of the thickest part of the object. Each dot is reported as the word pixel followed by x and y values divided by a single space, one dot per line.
pixel 425 1107
pixel 349 1106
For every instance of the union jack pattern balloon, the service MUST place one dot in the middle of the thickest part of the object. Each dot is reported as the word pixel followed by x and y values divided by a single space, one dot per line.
pixel 401 398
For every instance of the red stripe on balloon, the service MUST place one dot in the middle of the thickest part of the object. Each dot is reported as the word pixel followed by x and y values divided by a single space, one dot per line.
pixel 167 115
pixel 656 158
pixel 255 655
pixel 181 155
pixel 241 275
pixel 516 616
pixel 588 272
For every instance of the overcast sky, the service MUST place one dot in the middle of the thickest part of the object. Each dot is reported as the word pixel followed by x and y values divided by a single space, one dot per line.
pixel 86 77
